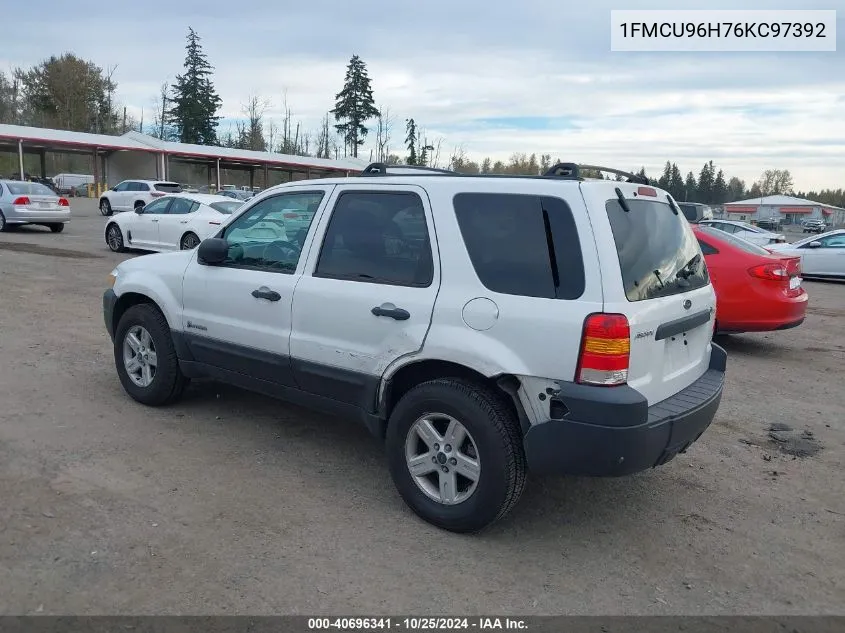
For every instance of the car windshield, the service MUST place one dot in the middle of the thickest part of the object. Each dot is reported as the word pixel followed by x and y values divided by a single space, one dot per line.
pixel 740 243
pixel 226 207
pixel 24 188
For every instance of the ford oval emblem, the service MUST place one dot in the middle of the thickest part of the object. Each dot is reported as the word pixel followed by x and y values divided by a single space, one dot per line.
pixel 687 304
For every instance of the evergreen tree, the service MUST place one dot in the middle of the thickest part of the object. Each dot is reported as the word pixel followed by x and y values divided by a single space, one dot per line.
pixel 486 166
pixel 690 188
pixel 354 105
pixel 411 141
pixel 720 189
pixel 705 183
pixel 665 179
pixel 676 184
pixel 736 189
pixel 195 102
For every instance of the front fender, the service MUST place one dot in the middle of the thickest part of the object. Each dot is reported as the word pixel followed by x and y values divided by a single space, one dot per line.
pixel 167 299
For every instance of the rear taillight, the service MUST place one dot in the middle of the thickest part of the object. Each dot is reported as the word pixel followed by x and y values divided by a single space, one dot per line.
pixel 63 202
pixel 772 272
pixel 605 350
pixel 22 201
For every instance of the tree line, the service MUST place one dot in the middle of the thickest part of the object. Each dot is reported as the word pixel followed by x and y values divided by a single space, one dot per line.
pixel 70 93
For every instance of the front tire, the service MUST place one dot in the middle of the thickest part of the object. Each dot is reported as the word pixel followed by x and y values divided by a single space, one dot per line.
pixel 114 238
pixel 145 357
pixel 455 454
pixel 105 207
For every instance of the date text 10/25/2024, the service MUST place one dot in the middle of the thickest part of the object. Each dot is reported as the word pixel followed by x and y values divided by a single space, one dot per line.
pixel 416 624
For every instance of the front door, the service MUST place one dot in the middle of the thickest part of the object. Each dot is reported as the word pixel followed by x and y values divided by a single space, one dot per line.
pixel 143 232
pixel 376 262
pixel 173 225
pixel 119 196
pixel 237 315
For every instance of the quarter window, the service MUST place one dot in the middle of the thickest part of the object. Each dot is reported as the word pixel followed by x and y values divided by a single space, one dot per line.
pixel 378 238
pixel 522 244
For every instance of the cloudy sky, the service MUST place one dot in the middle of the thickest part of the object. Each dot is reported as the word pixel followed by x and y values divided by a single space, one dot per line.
pixel 491 77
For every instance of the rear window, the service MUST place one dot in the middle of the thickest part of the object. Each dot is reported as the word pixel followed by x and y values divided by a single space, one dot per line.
pixel 733 240
pixel 168 187
pixel 226 207
pixel 522 244
pixel 658 253
pixel 24 188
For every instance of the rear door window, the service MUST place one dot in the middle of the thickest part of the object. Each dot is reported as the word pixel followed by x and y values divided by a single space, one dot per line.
pixel 658 253
pixel 522 244
pixel 168 187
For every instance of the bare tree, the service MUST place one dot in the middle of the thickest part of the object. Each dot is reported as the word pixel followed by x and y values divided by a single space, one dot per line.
pixel 271 136
pixel 251 134
pixel 384 127
pixel 161 104
pixel 325 138
pixel 435 158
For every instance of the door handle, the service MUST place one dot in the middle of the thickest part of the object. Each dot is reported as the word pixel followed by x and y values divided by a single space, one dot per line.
pixel 155 220
pixel 390 310
pixel 265 293
pixel 183 221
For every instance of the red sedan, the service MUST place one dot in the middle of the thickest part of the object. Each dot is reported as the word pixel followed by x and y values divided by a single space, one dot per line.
pixel 756 290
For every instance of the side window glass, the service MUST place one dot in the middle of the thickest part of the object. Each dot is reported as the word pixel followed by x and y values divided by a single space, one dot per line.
pixel 181 206
pixel 141 186
pixel 122 186
pixel 270 235
pixel 834 241
pixel 522 244
pixel 157 207
pixel 378 238
pixel 706 249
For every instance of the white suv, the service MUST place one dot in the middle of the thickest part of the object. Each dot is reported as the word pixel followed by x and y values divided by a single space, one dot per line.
pixel 131 195
pixel 478 326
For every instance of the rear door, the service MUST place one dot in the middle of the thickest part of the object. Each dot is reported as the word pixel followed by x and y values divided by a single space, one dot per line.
pixel 376 260
pixel 653 272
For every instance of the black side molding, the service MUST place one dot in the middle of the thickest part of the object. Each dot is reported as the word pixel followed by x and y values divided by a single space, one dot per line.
pixel 671 328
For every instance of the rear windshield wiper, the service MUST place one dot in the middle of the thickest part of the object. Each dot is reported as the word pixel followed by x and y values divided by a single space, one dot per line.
pixel 688 269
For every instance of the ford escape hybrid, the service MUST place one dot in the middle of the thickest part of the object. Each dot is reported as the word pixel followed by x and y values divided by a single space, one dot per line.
pixel 478 326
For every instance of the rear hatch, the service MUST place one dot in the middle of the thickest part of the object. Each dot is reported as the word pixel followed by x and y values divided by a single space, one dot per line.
pixel 653 272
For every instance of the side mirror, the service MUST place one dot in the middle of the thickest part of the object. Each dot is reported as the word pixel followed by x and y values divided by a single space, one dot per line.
pixel 814 245
pixel 213 251
pixel 139 210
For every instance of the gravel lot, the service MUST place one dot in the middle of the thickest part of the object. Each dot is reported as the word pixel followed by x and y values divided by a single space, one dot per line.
pixel 232 503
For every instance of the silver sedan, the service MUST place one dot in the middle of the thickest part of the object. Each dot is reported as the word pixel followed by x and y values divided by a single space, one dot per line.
pixel 23 202
pixel 822 256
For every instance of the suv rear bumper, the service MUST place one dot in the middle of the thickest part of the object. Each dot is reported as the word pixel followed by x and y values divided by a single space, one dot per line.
pixel 610 432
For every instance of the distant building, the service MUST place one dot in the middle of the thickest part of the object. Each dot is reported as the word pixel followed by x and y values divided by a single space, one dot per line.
pixel 788 209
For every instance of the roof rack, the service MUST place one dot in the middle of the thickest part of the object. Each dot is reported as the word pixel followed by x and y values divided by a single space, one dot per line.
pixel 573 171
pixel 381 169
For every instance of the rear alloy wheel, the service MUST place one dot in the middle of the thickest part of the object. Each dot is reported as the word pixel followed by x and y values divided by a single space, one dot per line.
pixel 58 227
pixel 145 357
pixel 189 242
pixel 455 454
pixel 114 238
pixel 105 207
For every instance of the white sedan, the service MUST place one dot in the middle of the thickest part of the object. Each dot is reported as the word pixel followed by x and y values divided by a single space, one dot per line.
pixel 822 255
pixel 748 232
pixel 175 222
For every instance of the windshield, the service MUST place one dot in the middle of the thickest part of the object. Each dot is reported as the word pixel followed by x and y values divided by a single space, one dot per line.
pixel 226 207
pixel 733 240
pixel 29 189
pixel 658 253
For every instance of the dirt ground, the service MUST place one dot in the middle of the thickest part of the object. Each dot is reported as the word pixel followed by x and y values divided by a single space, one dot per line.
pixel 233 503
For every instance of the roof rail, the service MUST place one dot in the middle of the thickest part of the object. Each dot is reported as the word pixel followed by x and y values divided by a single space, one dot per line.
pixel 573 171
pixel 381 169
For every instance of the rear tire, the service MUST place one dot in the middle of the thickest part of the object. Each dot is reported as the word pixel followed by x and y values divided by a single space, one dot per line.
pixel 143 332
pixel 105 207
pixel 3 226
pixel 57 227
pixel 493 430
pixel 189 242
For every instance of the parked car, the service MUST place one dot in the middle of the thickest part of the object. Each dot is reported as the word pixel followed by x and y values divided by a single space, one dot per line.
pixel 756 290
pixel 129 195
pixel 66 182
pixel 23 202
pixel 237 194
pixel 541 326
pixel 770 224
pixel 822 256
pixel 814 226
pixel 174 222
pixel 695 212
pixel 80 191
pixel 746 231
